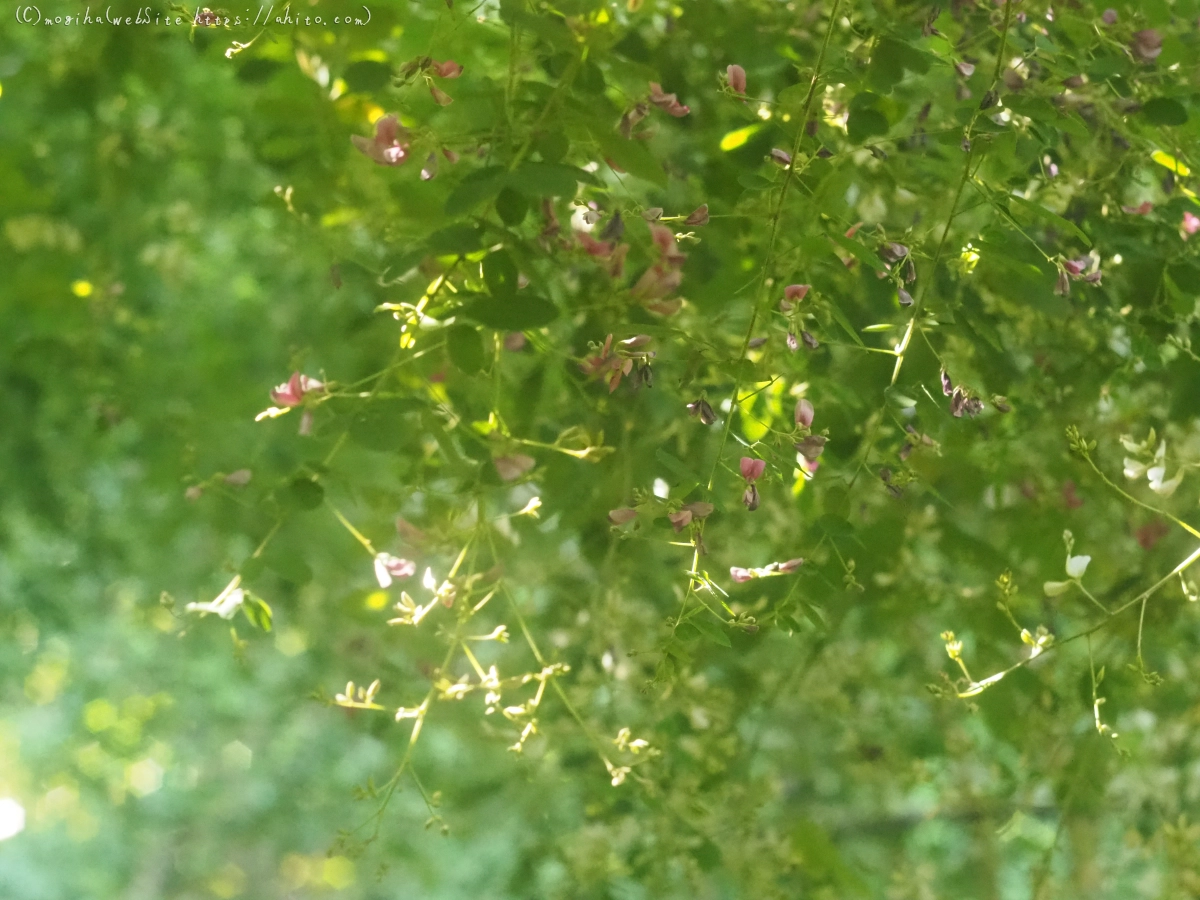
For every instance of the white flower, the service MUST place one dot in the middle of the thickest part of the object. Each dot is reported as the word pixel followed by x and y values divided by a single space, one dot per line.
pixel 1134 469
pixel 1077 565
pixel 226 603
pixel 1155 474
pixel 388 567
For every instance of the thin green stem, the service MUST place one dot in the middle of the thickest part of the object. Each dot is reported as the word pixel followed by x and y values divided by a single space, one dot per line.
pixel 977 687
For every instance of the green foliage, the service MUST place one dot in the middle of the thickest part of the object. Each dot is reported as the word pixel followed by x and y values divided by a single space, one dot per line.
pixel 683 469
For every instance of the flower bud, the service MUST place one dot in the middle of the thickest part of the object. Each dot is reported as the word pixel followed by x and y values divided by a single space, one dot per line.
pixel 702 409
pixel 750 498
pixel 752 469
pixel 809 341
pixel 780 157
pixel 812 446
pixel 622 515
pixel 804 412
pixel 513 467
pixel 737 78
pixel 680 520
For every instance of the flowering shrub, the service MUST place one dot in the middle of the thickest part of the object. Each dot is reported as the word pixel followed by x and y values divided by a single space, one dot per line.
pixel 588 263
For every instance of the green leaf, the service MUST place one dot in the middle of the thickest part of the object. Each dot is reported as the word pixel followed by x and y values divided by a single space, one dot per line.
pixel 866 123
pixel 536 179
pixel 677 467
pixel 257 611
pixel 512 207
pixel 899 400
pixel 835 526
pixel 457 239
pixel 710 630
pixel 384 424
pixel 518 313
pixel 1164 111
pixel 302 494
pixel 632 156
pixel 754 182
pixel 821 859
pixel 552 146
pixel 847 326
pixel 465 346
pixel 1038 211
pixel 288 563
pixel 500 274
pixel 477 187
pixel 792 98
pixel 854 248
pixel 367 75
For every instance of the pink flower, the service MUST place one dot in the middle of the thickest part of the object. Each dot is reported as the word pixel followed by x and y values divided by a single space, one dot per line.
pixel 699 216
pixel 1076 267
pixel 1146 45
pixel 388 567
pixel 804 413
pixel 793 342
pixel 796 292
pixel 737 78
pixel 665 307
pixel 513 467
pixel 752 469
pixel 680 520
pixel 616 261
pixel 1191 223
pixel 750 498
pixel 292 392
pixel 1141 210
pixel 447 69
pixel 389 147
pixel 594 247
pixel 812 446
pixel 439 96
pixel 622 515
pixel 409 532
pixel 740 575
pixel 787 568
pixel 664 240
pixel 668 103
pixel 695 510
pixel 965 69
pixel 1110 17
pixel 656 282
